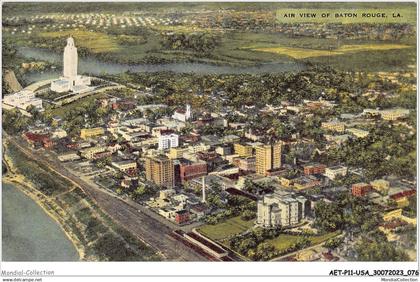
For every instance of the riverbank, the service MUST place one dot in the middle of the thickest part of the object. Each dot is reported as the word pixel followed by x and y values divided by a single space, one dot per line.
pixel 95 235
pixel 27 187
pixel 29 233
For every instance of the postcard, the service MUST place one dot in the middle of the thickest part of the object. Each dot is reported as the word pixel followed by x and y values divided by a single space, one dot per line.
pixel 282 132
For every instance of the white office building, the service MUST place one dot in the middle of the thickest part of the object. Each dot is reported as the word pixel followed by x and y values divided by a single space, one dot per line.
pixel 335 171
pixel 22 100
pixel 167 141
pixel 277 210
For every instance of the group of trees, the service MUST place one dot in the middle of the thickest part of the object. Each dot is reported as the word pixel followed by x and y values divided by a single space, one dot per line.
pixel 247 243
pixel 44 179
pixel 202 42
pixel 141 192
pixel 257 188
pixel 375 247
pixel 411 209
pixel 355 214
pixel 387 149
pixel 253 244
pixel 236 205
pixel 14 122
pixel 272 88
pixel 80 115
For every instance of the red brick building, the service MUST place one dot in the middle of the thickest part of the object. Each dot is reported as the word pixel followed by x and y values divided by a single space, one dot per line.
pixel 407 193
pixel 314 169
pixel 39 139
pixel 182 216
pixel 360 189
pixel 190 171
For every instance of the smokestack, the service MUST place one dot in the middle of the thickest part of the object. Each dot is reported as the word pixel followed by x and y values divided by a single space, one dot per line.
pixel 203 180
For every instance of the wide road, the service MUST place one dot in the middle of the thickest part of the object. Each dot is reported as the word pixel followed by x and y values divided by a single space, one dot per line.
pixel 146 228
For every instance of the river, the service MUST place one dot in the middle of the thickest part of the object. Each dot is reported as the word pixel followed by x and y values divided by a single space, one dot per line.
pixel 94 66
pixel 29 234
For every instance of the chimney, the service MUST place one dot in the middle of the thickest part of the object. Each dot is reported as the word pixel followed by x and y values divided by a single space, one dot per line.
pixel 203 180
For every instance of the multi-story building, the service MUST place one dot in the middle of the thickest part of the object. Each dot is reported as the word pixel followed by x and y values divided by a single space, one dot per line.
pixel 305 182
pixel 190 170
pixel 334 171
pixel 160 170
pixel 125 166
pixel 201 147
pixel 380 185
pixel 86 133
pixel 22 100
pixel 314 169
pixel 223 150
pixel 176 153
pixel 276 210
pixel 246 164
pixel 182 216
pixel 268 157
pixel 167 141
pixel 360 189
pixel 89 153
pixel 359 133
pixel 334 126
pixel 242 150
pixel 394 114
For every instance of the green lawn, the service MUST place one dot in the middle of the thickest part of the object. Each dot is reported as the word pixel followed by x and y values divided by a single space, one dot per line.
pixel 226 228
pixel 303 53
pixel 284 241
pixel 96 42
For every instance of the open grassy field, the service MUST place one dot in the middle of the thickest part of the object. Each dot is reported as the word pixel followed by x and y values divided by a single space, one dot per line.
pixel 284 241
pixel 96 42
pixel 303 53
pixel 227 228
pixel 244 48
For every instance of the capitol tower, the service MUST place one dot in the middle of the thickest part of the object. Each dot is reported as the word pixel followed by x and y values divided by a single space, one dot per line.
pixel 70 59
pixel 70 81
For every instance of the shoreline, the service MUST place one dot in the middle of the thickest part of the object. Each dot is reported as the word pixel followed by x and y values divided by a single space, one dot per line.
pixel 26 187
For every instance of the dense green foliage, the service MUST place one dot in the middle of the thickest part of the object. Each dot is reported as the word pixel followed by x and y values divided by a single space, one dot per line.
pixel 377 248
pixel 47 181
pixel 198 42
pixel 347 213
pixel 387 149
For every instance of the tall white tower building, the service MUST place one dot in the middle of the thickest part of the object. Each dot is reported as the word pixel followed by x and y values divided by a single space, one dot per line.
pixel 70 81
pixel 70 59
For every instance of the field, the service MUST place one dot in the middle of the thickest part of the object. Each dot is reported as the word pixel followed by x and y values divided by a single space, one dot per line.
pixel 303 53
pixel 131 38
pixel 222 231
pixel 96 42
pixel 284 241
pixel 227 228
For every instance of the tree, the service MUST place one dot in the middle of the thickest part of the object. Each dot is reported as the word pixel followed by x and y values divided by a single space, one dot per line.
pixel 248 215
pixel 142 191
pixel 246 244
pixel 265 251
pixel 377 248
pixel 14 122
pixel 333 243
pixel 411 209
pixel 328 217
